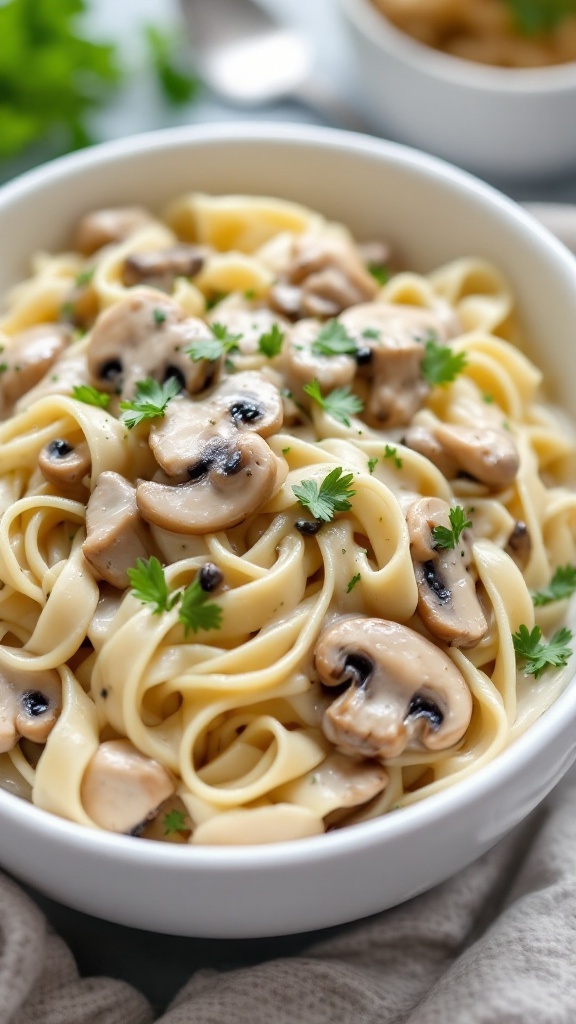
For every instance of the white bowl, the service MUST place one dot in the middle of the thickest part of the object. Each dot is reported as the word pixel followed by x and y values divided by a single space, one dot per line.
pixel 497 122
pixel 433 213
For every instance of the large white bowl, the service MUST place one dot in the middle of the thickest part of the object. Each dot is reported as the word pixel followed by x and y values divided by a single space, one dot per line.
pixel 497 122
pixel 432 213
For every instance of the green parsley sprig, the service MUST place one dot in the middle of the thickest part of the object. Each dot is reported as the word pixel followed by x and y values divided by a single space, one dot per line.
pixel 333 340
pixel 270 343
pixel 90 396
pixel 196 610
pixel 332 496
pixel 176 821
pixel 441 365
pixel 340 404
pixel 447 537
pixel 532 17
pixel 213 348
pixel 150 401
pixel 536 656
pixel 562 585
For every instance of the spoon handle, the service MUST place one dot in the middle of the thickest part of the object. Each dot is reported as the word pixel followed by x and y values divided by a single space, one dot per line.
pixel 319 95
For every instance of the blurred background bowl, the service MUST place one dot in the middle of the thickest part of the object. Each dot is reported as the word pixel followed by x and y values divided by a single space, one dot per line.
pixel 430 213
pixel 505 123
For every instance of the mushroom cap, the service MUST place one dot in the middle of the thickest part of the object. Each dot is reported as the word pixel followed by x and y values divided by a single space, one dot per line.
pixel 404 692
pixel 122 788
pixel 145 335
pixel 487 453
pixel 65 464
pixel 30 355
pixel 160 267
pixel 447 601
pixel 116 536
pixel 234 479
pixel 30 703
pixel 103 227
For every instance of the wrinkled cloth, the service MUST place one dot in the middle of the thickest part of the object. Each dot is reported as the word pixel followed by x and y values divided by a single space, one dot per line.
pixel 494 945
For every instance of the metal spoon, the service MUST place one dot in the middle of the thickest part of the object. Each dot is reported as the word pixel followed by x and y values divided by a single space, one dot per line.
pixel 249 59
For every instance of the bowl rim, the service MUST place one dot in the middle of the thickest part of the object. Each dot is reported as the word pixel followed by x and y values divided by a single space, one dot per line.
pixel 490 79
pixel 435 808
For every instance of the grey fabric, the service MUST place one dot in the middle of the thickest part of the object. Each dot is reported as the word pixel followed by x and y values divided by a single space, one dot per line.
pixel 494 945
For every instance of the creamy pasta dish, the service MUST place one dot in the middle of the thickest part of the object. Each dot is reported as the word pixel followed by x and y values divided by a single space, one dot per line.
pixel 287 531
pixel 506 33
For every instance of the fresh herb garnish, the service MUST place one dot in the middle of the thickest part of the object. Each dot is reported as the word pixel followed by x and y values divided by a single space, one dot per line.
pixel 390 452
pixel 340 403
pixel 159 316
pixel 562 584
pixel 440 364
pixel 213 348
pixel 534 16
pixel 177 84
pixel 197 611
pixel 333 340
pixel 332 496
pixel 175 821
pixel 371 332
pixel 537 656
pixel 149 585
pixel 84 277
pixel 372 463
pixel 90 396
pixel 352 583
pixel 150 400
pixel 379 272
pixel 270 343
pixel 445 537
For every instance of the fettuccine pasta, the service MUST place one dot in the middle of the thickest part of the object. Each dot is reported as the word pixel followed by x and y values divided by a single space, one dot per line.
pixel 286 530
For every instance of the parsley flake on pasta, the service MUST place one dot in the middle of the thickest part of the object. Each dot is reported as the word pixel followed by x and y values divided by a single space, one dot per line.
pixel 332 496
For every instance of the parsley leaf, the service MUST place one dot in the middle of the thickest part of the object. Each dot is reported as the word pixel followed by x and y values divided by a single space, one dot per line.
pixel 90 396
pixel 213 348
pixel 372 462
pixel 379 272
pixel 149 585
pixel 352 583
pixel 197 611
pixel 537 656
pixel 534 16
pixel 332 496
pixel 440 364
pixel 159 316
pixel 444 537
pixel 340 403
pixel 333 340
pixel 390 452
pixel 175 821
pixel 150 400
pixel 270 343
pixel 562 584
pixel 178 86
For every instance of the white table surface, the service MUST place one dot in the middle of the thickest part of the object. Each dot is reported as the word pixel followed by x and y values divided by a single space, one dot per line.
pixel 159 964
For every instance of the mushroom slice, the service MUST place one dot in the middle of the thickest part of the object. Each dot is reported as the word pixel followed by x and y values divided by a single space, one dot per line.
pixel 160 267
pixel 447 601
pixel 422 439
pixel 519 545
pixel 115 533
pixel 242 403
pixel 30 703
pixel 122 789
pixel 403 693
pixel 487 453
pixel 65 464
pixel 103 227
pixel 301 364
pixel 231 480
pixel 144 335
pixel 30 355
pixel 324 276
pixel 390 342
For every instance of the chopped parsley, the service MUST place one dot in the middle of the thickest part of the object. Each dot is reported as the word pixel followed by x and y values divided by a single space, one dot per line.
pixel 371 332
pixel 159 316
pixel 175 821
pixel 562 585
pixel 332 496
pixel 445 537
pixel 537 656
pixel 90 396
pixel 340 403
pixel 150 400
pixel 149 585
pixel 372 463
pixel 379 272
pixel 84 277
pixel 196 611
pixel 213 348
pixel 534 16
pixel 352 583
pixel 391 452
pixel 440 364
pixel 333 340
pixel 270 343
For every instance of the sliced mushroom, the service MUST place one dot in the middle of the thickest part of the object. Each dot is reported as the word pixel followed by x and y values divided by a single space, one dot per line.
pixel 65 464
pixel 403 692
pixel 519 545
pixel 245 402
pixel 103 227
pixel 421 438
pixel 30 703
pixel 115 533
pixel 232 479
pixel 390 340
pixel 28 357
pixel 122 789
pixel 447 601
pixel 324 276
pixel 485 452
pixel 338 784
pixel 301 364
pixel 161 267
pixel 146 335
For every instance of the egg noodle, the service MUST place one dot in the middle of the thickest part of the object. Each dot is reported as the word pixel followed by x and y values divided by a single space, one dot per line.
pixel 499 32
pixel 237 713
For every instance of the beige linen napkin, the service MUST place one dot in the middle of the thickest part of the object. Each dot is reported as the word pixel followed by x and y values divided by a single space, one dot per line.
pixel 494 945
